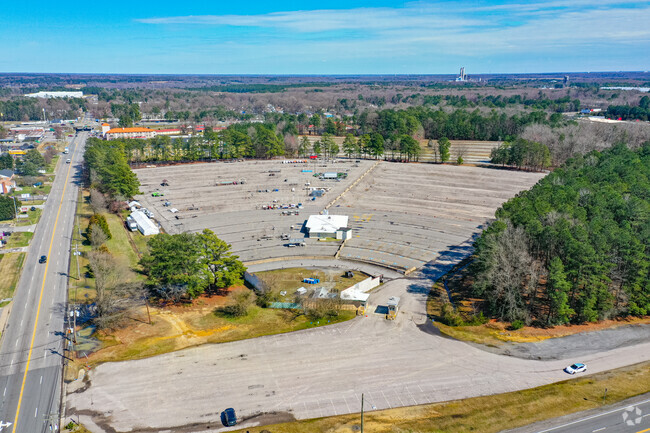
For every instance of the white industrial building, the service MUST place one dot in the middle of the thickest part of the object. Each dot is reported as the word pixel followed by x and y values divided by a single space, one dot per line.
pixel 48 95
pixel 329 226
pixel 146 226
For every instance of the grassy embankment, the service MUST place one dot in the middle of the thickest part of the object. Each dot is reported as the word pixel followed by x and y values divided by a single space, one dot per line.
pixel 487 414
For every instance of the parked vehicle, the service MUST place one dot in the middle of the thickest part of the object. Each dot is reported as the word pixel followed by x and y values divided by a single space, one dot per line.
pixel 576 368
pixel 229 417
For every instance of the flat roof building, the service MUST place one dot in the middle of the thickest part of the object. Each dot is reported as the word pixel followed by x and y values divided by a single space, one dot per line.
pixel 328 226
pixel 48 95
pixel 137 132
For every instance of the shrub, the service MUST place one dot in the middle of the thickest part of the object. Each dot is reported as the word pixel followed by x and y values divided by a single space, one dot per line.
pixel 98 220
pixel 517 324
pixel 239 305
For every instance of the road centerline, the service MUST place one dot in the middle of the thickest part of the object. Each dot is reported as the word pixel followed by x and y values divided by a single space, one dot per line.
pixel 40 298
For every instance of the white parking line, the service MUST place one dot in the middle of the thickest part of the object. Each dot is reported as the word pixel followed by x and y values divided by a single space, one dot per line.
pixel 599 429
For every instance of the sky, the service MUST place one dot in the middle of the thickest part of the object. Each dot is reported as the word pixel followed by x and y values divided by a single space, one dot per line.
pixel 334 37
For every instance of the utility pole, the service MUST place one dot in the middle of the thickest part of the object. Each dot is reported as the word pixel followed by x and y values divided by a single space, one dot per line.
pixel 361 412
pixel 15 211
pixel 52 420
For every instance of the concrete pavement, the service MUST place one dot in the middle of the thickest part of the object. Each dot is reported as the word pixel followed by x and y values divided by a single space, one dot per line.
pixel 32 347
pixel 317 372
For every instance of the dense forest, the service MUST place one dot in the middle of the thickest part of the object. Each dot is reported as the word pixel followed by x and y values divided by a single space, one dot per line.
pixel 574 248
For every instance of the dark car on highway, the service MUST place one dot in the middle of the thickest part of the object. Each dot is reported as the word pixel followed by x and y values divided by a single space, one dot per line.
pixel 43 259
pixel 228 417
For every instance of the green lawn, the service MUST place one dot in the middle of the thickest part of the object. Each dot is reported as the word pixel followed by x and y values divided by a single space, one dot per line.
pixel 33 217
pixel 33 190
pixel 19 239
pixel 83 289
pixel 119 244
pixel 10 266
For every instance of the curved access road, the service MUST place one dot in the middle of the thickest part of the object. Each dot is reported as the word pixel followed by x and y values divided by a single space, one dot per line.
pixel 317 372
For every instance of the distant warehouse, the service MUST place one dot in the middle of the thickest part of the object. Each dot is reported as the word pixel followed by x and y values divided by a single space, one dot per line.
pixel 48 95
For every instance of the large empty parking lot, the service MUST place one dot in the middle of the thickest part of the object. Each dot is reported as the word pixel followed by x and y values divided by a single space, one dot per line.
pixel 402 215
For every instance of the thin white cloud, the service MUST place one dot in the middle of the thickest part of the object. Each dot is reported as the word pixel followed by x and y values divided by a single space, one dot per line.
pixel 431 29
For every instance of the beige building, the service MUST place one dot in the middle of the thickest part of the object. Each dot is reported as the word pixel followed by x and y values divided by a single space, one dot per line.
pixel 116 133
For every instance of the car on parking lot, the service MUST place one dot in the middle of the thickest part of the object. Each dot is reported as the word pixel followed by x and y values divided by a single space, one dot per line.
pixel 576 368
pixel 228 417
pixel 43 259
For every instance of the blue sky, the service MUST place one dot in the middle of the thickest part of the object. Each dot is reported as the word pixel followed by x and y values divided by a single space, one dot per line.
pixel 335 37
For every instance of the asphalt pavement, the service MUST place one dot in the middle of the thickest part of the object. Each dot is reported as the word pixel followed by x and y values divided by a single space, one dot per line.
pixel 316 372
pixel 32 345
pixel 629 416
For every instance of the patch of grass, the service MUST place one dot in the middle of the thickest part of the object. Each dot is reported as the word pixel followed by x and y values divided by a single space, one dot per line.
pixel 291 279
pixel 19 239
pixel 120 246
pixel 491 413
pixel 34 190
pixel 32 218
pixel 11 264
pixel 263 321
pixel 140 241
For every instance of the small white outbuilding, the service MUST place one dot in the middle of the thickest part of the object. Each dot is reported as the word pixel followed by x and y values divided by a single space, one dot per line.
pixel 328 226
pixel 146 226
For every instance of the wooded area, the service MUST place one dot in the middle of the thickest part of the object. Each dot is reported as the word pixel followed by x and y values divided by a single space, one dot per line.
pixel 574 248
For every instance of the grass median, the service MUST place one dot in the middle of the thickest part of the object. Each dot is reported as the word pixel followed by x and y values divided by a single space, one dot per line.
pixel 490 413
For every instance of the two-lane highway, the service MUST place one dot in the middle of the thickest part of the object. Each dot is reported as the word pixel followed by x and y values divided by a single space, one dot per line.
pixel 32 348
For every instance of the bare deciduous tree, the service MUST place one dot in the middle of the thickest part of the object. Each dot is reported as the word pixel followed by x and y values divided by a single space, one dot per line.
pixel 97 201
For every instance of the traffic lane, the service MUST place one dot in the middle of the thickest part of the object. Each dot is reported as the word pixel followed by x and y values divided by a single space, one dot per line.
pixel 609 419
pixel 33 395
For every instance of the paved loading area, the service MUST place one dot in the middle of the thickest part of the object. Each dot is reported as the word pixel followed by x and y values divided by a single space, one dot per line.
pixel 317 372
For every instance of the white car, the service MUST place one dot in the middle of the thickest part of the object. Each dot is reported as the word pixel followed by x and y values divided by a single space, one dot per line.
pixel 576 368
